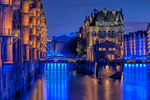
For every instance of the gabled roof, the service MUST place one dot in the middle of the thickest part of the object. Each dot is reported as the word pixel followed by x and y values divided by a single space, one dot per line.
pixel 102 17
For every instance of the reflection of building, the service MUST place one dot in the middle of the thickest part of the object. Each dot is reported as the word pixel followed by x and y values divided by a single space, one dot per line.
pixel 60 40
pixel 135 45
pixel 49 48
pixel 148 38
pixel 104 28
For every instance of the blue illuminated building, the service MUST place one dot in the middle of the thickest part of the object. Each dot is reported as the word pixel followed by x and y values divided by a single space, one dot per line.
pixel 135 46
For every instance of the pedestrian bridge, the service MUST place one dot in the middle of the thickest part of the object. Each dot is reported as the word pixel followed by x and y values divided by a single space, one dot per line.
pixel 62 59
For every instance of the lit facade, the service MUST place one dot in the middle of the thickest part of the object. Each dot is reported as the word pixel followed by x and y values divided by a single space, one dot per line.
pixel 22 41
pixel 104 26
pixel 135 46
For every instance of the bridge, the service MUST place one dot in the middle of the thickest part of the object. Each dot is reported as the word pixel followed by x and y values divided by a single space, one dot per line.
pixel 141 59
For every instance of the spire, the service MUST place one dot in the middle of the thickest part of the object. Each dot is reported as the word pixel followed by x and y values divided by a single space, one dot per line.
pixel 119 18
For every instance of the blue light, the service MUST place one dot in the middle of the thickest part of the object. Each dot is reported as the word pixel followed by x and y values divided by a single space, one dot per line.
pixel 144 65
pixel 132 65
pixel 125 65
pixel 51 65
pixel 55 65
pixel 58 65
pixel 62 64
pixel 136 65
pixel 129 65
pixel 65 66
pixel 140 65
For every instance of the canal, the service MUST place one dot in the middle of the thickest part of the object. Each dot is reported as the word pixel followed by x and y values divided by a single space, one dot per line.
pixel 62 81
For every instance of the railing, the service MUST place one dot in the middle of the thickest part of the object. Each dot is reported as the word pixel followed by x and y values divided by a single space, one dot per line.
pixel 25 11
pixel 25 24
pixel 26 42
pixel 5 2
pixel 6 32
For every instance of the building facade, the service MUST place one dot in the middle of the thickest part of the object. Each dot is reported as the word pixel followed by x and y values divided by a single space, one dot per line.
pixel 104 28
pixel 22 41
pixel 136 46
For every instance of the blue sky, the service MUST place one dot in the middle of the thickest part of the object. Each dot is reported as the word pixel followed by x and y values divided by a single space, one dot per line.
pixel 64 16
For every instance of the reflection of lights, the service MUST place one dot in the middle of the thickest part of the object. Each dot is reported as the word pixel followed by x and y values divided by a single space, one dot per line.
pixel 132 65
pixel 125 65
pixel 136 65
pixel 140 65
pixel 58 65
pixel 144 65
pixel 129 65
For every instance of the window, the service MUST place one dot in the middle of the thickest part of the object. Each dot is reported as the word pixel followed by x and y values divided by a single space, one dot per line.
pixel 99 33
pixel 97 22
pixel 100 49
pixel 110 49
pixel 104 49
pixel 113 33
pixel 104 33
pixel 94 33
pixel 114 49
pixel 109 34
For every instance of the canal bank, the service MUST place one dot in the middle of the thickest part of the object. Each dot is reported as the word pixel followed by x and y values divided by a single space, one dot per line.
pixel 15 78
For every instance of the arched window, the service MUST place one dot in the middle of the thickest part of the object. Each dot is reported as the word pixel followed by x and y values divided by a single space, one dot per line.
pixel 94 33
pixel 99 33
pixel 104 33
pixel 109 34
pixel 113 33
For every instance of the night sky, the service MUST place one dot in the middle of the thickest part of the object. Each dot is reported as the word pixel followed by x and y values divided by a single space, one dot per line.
pixel 64 16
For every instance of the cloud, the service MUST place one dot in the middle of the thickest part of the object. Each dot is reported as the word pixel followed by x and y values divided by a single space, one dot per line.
pixel 86 5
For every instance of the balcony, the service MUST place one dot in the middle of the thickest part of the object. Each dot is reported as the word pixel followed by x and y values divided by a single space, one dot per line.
pixel 16 4
pixel 31 1
pixel 26 42
pixel 26 24
pixel 6 33
pixel 25 11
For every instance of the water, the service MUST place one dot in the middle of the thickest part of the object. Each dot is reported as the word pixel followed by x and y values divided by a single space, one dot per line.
pixel 63 82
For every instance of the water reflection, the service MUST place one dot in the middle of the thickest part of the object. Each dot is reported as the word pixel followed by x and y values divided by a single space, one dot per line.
pixel 60 81
pixel 136 81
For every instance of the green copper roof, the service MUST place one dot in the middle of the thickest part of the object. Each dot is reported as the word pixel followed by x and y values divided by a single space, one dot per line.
pixel 108 17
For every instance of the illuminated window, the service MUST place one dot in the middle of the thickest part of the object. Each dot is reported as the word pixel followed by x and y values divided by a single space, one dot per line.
pixel 104 49
pixel 100 49
pixel 99 33
pixel 114 49
pixel 110 49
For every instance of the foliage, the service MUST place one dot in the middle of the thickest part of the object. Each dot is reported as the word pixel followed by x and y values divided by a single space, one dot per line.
pixel 75 46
